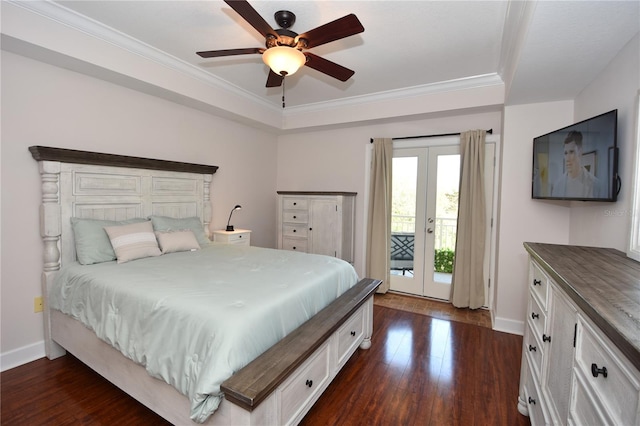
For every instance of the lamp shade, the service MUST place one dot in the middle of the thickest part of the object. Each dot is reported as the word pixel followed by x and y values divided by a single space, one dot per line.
pixel 283 60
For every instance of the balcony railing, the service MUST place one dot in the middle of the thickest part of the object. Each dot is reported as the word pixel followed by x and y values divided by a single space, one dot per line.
pixel 445 229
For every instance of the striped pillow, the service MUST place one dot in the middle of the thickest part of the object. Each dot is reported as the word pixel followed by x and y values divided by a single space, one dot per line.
pixel 133 241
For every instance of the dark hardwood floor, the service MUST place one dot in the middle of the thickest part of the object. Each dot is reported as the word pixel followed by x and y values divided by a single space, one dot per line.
pixel 426 371
pixel 419 371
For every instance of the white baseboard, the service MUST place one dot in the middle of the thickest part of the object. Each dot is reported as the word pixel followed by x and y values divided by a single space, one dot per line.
pixel 508 326
pixel 23 355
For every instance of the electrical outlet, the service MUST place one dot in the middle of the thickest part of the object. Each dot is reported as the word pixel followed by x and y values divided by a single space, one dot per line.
pixel 38 304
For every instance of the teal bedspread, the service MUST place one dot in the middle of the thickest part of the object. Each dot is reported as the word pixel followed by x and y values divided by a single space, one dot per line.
pixel 192 319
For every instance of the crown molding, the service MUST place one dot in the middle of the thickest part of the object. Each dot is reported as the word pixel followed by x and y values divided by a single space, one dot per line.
pixel 516 28
pixel 61 14
pixel 76 21
pixel 474 82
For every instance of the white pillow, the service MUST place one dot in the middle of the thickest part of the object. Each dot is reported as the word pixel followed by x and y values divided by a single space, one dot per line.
pixel 173 241
pixel 164 223
pixel 133 241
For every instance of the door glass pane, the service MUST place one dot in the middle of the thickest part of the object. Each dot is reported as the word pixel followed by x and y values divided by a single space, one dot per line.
pixel 448 183
pixel 403 214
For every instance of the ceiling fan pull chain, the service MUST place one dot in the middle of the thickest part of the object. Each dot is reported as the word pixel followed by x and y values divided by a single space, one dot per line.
pixel 283 80
pixel 283 47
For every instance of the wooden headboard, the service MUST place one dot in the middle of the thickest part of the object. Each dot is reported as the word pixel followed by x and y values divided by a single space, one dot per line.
pixel 113 187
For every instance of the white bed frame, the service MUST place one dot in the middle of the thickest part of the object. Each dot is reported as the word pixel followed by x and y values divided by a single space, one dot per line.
pixel 276 388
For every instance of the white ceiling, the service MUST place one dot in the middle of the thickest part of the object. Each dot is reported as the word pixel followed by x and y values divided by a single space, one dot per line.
pixel 546 50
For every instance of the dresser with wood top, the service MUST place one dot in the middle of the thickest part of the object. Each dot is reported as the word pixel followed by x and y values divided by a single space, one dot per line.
pixel 581 346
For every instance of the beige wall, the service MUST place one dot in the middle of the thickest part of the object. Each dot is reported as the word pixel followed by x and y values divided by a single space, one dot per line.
pixel 607 224
pixel 337 160
pixel 520 217
pixel 46 105
pixel 563 222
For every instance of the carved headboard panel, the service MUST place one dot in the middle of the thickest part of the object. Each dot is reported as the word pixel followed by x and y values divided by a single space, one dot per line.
pixel 104 186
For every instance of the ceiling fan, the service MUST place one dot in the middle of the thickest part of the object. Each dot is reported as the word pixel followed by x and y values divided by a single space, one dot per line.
pixel 283 53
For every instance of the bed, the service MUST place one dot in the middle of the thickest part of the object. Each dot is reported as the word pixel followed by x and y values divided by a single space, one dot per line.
pixel 276 385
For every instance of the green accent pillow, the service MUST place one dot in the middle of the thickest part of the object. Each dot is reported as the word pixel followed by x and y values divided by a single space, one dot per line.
pixel 91 240
pixel 164 224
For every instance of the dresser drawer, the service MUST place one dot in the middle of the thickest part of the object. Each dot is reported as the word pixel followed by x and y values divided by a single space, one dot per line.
pixel 534 402
pixel 536 316
pixel 295 204
pixel 350 336
pixel 303 388
pixel 294 244
pixel 584 409
pixel 539 284
pixel 295 231
pixel 533 349
pixel 295 217
pixel 619 391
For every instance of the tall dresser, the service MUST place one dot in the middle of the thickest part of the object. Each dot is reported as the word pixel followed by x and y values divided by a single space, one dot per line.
pixel 581 346
pixel 317 222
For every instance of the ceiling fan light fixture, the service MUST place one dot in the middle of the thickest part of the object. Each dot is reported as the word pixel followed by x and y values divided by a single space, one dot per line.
pixel 283 60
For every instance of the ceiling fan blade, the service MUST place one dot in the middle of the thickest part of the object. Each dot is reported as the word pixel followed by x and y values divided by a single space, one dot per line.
pixel 335 30
pixel 230 52
pixel 244 9
pixel 327 67
pixel 274 80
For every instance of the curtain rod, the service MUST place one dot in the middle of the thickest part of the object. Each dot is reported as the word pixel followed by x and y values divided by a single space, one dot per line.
pixel 490 131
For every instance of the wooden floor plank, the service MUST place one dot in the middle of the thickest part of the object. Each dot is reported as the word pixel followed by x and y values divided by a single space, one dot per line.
pixel 441 367
pixel 419 371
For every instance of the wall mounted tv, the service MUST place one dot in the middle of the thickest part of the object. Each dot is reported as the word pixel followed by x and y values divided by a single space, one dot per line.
pixel 578 162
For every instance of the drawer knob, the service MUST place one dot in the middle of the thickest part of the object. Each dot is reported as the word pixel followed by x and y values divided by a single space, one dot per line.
pixel 596 371
pixel 536 282
pixel 534 315
pixel 295 204
pixel 294 230
pixel 239 236
pixel 532 349
pixel 294 247
pixel 295 217
pixel 546 338
pixel 353 333
pixel 309 383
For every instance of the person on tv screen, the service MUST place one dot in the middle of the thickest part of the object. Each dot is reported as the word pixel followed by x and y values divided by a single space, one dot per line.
pixel 576 182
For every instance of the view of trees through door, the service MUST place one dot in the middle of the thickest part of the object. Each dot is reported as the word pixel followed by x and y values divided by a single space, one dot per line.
pixel 424 217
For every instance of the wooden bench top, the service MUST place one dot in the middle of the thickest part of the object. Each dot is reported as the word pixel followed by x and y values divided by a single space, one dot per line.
pixel 251 385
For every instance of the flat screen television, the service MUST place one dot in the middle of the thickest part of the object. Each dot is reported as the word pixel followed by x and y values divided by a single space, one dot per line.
pixel 578 162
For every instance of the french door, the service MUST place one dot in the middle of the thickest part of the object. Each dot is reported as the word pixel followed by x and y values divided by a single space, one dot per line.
pixel 424 217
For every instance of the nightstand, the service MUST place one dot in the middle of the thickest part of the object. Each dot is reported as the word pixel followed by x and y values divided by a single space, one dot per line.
pixel 238 237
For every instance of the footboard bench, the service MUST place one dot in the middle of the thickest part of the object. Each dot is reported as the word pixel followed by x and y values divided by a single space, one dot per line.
pixel 317 350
